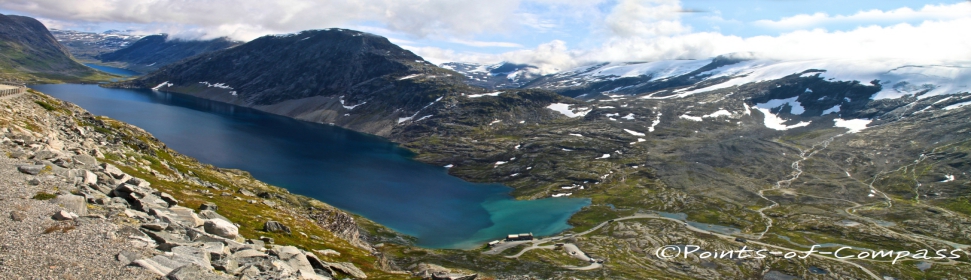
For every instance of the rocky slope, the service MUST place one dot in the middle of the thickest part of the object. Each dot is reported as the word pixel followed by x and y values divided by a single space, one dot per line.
pixel 28 52
pixel 153 52
pixel 90 197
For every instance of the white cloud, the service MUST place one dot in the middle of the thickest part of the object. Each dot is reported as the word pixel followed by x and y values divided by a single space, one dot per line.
pixel 646 18
pixel 474 43
pixel 631 30
pixel 248 19
pixel 928 12
pixel 658 37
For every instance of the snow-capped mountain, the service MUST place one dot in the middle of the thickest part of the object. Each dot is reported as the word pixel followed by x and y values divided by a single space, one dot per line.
pixel 501 75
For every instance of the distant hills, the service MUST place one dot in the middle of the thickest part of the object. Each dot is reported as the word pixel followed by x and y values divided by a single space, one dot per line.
pixel 28 52
pixel 87 45
pixel 349 78
pixel 152 52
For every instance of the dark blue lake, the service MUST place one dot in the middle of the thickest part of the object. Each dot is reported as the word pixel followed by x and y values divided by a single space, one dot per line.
pixel 113 70
pixel 360 173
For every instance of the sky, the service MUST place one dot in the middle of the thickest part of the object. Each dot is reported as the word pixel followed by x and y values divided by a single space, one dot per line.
pixel 556 35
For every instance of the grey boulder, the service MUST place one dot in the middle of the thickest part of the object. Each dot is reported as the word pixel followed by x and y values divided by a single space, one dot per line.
pixel 221 228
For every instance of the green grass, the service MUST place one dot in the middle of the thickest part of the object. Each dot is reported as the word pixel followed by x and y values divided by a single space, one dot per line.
pixel 46 106
pixel 44 196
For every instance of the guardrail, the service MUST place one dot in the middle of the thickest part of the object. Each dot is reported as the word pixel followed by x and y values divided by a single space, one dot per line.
pixel 19 88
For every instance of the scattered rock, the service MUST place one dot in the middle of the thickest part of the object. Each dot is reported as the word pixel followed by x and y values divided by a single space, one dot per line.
pixel 221 228
pixel 33 182
pixel 257 244
pixel 64 216
pixel 138 182
pixel 86 160
pixel 73 203
pixel 268 240
pixel 18 215
pixel 274 226
pixel 113 171
pixel 296 259
pixel 88 178
pixel 45 155
pixel 208 206
pixel 270 203
pixel 328 252
pixel 127 257
pixel 31 169
pixel 248 253
pixel 193 272
pixel 171 201
pixel 186 216
pixel 246 192
pixel 348 268
pixel 209 215
pixel 155 226
pixel 192 254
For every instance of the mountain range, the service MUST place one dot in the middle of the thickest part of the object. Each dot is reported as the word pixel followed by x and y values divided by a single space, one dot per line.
pixel 861 153
pixel 152 52
pixel 28 52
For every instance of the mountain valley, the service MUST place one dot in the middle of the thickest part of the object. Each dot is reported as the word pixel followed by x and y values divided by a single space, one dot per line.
pixel 736 150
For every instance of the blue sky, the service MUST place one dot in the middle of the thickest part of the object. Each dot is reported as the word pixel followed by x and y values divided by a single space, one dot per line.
pixel 735 17
pixel 558 33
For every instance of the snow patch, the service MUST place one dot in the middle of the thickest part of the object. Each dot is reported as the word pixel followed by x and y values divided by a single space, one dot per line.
pixel 401 120
pixel 797 108
pixel 775 122
pixel 657 120
pixel 657 70
pixel 948 178
pixel 688 117
pixel 409 77
pixel 216 85
pixel 959 105
pixel 604 156
pixel 718 113
pixel 635 133
pixel 854 126
pixel 835 109
pixel 485 94
pixel 163 84
pixel 565 110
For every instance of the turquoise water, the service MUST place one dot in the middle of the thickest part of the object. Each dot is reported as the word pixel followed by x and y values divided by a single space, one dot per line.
pixel 360 173
pixel 709 227
pixel 113 70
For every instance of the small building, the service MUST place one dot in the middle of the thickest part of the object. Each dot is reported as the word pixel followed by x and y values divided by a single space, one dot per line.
pixel 493 243
pixel 520 237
